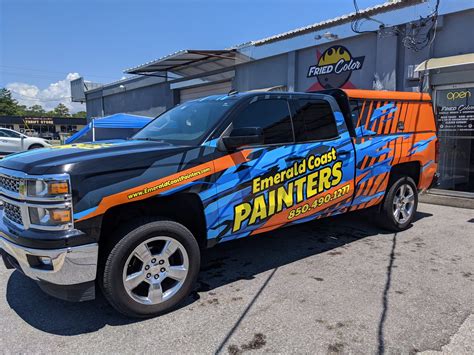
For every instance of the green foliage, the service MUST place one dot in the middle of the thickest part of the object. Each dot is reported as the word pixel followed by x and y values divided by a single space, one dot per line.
pixel 10 107
pixel 79 114
pixel 61 110
pixel 35 110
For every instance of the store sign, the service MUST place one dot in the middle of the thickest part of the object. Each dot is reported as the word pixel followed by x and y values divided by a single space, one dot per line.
pixel 455 111
pixel 43 121
pixel 335 66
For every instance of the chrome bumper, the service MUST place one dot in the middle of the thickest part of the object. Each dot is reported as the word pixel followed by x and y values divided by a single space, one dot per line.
pixel 67 266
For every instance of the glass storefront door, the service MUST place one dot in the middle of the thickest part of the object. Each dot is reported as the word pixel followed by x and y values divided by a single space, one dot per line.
pixel 455 116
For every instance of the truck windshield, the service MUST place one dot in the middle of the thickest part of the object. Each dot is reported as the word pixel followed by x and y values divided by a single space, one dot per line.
pixel 187 123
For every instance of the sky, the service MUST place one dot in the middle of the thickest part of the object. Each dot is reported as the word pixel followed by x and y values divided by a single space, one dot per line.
pixel 46 43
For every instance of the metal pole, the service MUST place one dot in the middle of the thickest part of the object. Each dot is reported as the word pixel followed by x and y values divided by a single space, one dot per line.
pixel 93 130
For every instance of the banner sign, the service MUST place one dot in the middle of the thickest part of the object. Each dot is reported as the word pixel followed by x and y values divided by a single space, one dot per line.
pixel 43 120
pixel 455 111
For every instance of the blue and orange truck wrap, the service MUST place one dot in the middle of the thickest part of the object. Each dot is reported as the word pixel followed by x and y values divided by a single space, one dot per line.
pixel 132 216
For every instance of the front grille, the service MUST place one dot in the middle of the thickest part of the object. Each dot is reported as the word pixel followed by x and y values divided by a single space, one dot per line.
pixel 13 213
pixel 10 183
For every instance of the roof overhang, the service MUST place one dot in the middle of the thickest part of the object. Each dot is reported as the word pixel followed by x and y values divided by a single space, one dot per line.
pixel 190 62
pixel 446 62
pixel 371 11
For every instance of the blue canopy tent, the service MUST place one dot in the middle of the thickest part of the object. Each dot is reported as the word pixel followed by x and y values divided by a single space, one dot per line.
pixel 118 126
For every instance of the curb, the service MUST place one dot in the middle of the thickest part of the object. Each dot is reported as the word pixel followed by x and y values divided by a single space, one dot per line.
pixel 446 200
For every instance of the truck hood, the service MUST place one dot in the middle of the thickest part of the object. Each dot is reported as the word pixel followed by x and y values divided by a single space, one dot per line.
pixel 91 157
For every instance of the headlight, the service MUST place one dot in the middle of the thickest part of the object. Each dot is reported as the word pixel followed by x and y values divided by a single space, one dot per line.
pixel 47 188
pixel 50 217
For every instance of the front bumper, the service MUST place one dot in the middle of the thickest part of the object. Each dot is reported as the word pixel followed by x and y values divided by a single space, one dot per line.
pixel 68 266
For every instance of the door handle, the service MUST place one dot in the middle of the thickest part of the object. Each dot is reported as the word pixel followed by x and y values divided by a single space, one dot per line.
pixel 344 153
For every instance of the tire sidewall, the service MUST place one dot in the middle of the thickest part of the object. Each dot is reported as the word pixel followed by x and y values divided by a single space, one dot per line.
pixel 113 270
pixel 388 203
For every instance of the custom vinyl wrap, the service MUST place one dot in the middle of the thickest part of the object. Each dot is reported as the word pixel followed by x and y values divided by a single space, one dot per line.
pixel 257 188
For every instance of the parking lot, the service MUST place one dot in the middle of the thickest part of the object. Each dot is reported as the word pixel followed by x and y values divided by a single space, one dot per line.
pixel 338 285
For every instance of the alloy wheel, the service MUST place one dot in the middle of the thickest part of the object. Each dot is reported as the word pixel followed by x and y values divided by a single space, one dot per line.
pixel 403 203
pixel 155 270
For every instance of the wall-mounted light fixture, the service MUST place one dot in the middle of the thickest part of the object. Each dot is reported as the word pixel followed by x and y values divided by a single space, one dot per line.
pixel 330 36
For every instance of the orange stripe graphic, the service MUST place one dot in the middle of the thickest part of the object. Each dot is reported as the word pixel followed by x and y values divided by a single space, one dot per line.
pixel 171 181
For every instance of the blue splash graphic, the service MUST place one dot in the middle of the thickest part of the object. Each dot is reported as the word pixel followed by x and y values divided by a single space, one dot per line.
pixel 385 110
pixel 420 146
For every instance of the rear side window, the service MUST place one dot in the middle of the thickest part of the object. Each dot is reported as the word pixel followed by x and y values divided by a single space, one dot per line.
pixel 6 133
pixel 272 115
pixel 315 120
pixel 355 106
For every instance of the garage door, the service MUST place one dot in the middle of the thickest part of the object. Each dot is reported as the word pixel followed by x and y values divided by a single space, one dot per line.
pixel 206 90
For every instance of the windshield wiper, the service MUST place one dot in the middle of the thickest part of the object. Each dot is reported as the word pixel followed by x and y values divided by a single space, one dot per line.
pixel 148 139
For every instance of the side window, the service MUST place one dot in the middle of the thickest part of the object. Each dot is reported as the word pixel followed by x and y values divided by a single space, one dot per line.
pixel 2 133
pixel 12 134
pixel 272 115
pixel 355 106
pixel 316 120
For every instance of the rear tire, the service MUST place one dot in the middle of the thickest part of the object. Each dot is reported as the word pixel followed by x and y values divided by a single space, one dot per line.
pixel 151 269
pixel 399 206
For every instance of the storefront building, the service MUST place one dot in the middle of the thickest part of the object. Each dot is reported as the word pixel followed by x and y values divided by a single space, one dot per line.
pixel 44 127
pixel 434 53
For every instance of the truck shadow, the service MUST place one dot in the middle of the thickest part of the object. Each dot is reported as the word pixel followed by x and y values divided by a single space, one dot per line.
pixel 224 264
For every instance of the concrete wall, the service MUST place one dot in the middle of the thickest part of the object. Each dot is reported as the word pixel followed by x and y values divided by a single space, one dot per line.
pixel 260 74
pixel 136 97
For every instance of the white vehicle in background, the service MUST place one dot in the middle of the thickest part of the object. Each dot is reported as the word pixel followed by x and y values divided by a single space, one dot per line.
pixel 12 142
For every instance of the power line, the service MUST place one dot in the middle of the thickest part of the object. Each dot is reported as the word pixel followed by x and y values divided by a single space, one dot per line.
pixel 52 72
pixel 359 19
pixel 416 38
pixel 32 75
pixel 38 99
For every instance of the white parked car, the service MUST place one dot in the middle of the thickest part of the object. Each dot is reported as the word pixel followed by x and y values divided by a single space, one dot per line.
pixel 12 141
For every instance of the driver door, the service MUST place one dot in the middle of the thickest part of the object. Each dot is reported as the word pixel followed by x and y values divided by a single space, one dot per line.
pixel 246 186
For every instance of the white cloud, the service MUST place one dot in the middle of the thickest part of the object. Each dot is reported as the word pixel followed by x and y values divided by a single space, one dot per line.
pixel 49 98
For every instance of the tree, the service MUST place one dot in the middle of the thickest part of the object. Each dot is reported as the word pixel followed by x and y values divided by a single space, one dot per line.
pixel 35 110
pixel 8 105
pixel 61 111
pixel 80 114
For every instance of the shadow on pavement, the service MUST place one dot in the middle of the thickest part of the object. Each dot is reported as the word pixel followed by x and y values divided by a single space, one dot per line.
pixel 221 265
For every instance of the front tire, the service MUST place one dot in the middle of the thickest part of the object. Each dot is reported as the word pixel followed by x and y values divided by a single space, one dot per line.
pixel 35 146
pixel 399 206
pixel 151 269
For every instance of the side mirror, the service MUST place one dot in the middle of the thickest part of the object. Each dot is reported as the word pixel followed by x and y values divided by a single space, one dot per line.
pixel 243 136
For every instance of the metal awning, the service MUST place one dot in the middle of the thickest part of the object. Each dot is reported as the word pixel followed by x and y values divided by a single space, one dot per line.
pixel 445 62
pixel 190 62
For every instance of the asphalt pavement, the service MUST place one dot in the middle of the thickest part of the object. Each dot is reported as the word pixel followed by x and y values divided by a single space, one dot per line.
pixel 339 285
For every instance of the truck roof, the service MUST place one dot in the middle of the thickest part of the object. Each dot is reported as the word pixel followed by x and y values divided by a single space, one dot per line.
pixel 386 95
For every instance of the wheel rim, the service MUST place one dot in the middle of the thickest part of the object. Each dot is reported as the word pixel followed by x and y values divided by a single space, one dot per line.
pixel 403 203
pixel 155 270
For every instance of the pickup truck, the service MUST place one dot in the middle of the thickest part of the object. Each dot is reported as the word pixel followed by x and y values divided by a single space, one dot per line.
pixel 133 216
